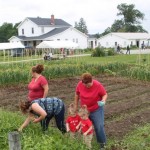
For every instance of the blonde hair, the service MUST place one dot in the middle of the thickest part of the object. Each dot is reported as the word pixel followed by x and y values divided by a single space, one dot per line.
pixel 71 109
pixel 83 111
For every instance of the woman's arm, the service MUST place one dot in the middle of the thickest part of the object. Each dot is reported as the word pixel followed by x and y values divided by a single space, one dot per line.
pixel 26 122
pixel 76 101
pixel 104 97
pixel 45 87
pixel 38 110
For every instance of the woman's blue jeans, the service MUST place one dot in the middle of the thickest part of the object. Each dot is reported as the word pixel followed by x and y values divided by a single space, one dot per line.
pixel 97 117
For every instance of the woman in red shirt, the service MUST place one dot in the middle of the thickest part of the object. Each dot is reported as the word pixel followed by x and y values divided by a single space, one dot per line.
pixel 92 94
pixel 38 87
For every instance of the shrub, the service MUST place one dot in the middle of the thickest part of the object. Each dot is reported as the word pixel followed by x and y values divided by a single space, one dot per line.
pixel 98 52
pixel 111 52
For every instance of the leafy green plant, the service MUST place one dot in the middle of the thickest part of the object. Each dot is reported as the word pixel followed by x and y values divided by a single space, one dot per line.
pixel 98 52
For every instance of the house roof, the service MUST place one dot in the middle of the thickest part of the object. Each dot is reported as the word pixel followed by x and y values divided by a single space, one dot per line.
pixel 131 36
pixel 46 35
pixel 91 35
pixel 46 21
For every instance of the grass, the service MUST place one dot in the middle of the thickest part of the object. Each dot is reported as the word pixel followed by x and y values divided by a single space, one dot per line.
pixel 131 59
pixel 32 136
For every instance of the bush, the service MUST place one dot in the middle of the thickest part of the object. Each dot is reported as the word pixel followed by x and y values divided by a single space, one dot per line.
pixel 111 52
pixel 98 52
pixel 133 47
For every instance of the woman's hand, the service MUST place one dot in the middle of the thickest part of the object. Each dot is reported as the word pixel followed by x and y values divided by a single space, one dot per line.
pixel 36 120
pixel 26 122
pixel 20 129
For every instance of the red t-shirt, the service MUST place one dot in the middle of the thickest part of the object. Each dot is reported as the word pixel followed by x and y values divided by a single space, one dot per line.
pixel 36 88
pixel 85 125
pixel 90 96
pixel 73 122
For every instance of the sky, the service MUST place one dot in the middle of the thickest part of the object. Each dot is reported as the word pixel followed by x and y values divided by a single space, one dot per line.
pixel 98 14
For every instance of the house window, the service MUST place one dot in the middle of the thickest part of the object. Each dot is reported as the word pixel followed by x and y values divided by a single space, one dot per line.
pixel 25 43
pixel 22 31
pixel 73 40
pixel 58 39
pixel 42 29
pixel 66 39
pixel 32 30
pixel 76 40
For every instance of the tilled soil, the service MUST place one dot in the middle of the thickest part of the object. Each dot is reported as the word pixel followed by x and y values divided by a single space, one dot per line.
pixel 127 107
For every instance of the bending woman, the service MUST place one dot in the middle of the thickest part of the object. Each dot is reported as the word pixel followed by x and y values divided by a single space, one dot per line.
pixel 43 110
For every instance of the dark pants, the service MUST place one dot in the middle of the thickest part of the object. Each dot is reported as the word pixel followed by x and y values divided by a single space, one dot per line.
pixel 59 118
pixel 128 51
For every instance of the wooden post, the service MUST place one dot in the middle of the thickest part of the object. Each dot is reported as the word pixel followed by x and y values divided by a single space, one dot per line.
pixel 14 141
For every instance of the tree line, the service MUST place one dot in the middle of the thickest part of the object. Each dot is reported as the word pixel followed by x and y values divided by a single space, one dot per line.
pixel 130 22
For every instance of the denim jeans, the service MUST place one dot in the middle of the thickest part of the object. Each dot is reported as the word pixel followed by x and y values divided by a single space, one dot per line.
pixel 59 118
pixel 97 117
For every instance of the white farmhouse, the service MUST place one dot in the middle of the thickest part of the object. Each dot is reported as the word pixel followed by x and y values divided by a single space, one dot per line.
pixel 32 31
pixel 124 39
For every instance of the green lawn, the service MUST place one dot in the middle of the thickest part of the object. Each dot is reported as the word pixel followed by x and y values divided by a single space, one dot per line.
pixel 32 136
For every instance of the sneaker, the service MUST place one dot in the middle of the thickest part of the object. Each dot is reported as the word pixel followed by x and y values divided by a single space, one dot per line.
pixel 102 146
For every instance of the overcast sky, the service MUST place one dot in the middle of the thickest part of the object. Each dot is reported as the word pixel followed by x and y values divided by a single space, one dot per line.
pixel 98 14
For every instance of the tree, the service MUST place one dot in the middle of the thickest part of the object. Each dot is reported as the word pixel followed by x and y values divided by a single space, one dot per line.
pixel 81 26
pixel 131 18
pixel 117 26
pixel 7 30
pixel 108 30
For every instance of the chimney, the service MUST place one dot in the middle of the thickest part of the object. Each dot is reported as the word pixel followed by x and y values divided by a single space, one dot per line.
pixel 52 21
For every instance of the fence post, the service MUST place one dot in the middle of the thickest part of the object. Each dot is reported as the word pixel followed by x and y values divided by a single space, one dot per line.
pixel 14 141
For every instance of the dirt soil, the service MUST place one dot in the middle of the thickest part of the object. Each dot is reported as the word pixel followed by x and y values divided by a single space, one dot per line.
pixel 127 107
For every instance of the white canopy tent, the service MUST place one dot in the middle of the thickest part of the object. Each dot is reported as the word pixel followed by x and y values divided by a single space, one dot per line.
pixel 10 49
pixel 4 46
pixel 58 44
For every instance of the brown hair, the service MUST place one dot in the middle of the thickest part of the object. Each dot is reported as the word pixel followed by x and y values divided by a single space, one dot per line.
pixel 24 106
pixel 38 68
pixel 83 110
pixel 71 109
pixel 86 78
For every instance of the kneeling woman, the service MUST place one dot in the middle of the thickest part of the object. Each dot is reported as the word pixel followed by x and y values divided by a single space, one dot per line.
pixel 43 110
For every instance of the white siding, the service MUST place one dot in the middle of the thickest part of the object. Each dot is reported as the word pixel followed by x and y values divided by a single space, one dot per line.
pixel 110 40
pixel 46 29
pixel 14 39
pixel 72 35
pixel 27 26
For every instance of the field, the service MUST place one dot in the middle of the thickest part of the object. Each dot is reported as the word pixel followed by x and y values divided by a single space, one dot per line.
pixel 127 107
